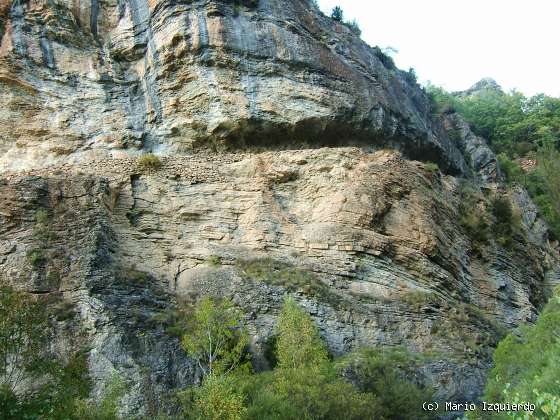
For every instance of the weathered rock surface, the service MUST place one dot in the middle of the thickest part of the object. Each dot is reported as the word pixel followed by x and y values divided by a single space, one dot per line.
pixel 103 79
pixel 378 232
pixel 373 234
pixel 480 158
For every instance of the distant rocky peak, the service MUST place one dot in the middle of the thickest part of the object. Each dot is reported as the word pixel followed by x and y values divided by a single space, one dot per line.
pixel 483 85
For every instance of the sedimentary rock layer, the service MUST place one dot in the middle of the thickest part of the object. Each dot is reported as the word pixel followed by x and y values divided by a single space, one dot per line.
pixel 99 79
pixel 375 237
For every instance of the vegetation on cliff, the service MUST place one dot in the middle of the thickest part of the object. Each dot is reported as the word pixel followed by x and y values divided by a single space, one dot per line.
pixel 527 367
pixel 305 383
pixel 34 384
pixel 524 132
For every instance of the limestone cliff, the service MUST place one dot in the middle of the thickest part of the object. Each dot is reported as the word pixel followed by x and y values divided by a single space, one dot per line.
pixel 103 79
pixel 238 100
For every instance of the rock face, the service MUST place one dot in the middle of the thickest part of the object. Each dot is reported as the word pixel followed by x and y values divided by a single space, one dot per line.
pixel 103 79
pixel 373 236
pixel 481 159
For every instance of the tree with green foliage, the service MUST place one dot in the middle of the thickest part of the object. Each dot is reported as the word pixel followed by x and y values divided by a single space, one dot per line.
pixel 33 383
pixel 549 168
pixel 305 384
pixel 354 26
pixel 385 373
pixel 216 338
pixel 217 399
pixel 512 123
pixel 299 343
pixel 107 407
pixel 337 14
pixel 24 330
pixel 527 364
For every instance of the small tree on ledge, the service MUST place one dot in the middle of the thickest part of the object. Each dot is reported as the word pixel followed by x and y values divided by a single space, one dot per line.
pixel 337 14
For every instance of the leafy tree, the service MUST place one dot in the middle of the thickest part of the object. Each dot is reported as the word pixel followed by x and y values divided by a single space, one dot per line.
pixel 528 362
pixel 216 338
pixel 107 407
pixel 33 384
pixel 64 389
pixel 549 167
pixel 337 14
pixel 299 343
pixel 305 385
pixel 217 399
pixel 384 374
pixel 24 330
pixel 516 127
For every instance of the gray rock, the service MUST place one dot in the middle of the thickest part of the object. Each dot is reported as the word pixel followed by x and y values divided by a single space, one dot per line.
pixel 199 74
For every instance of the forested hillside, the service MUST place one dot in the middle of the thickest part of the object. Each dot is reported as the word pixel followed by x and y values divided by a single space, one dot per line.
pixel 523 131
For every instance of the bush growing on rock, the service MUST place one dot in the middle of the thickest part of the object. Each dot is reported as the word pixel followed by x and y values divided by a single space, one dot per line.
pixel 24 331
pixel 354 27
pixel 388 375
pixel 507 222
pixel 517 128
pixel 149 163
pixel 431 167
pixel 299 343
pixel 337 14
pixel 36 257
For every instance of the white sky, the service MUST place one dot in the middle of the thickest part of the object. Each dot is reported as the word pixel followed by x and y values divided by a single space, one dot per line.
pixel 455 43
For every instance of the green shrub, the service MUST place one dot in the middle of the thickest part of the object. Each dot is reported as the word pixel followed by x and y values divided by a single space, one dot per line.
pixel 410 76
pixel 175 319
pixel 354 27
pixel 441 102
pixel 528 361
pixel 473 217
pixel 106 408
pixel 24 330
pixel 385 59
pixel 388 375
pixel 36 257
pixel 63 310
pixel 217 399
pixel 515 126
pixel 307 385
pixel 299 343
pixel 506 224
pixel 511 169
pixel 431 167
pixel 42 217
pixel 337 14
pixel 214 260
pixel 149 163
pixel 136 276
pixel 216 338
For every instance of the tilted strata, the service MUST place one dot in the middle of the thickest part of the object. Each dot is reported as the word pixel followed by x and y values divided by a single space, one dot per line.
pixel 238 102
